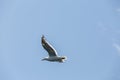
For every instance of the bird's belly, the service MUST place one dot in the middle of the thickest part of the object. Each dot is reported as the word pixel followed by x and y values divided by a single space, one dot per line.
pixel 54 58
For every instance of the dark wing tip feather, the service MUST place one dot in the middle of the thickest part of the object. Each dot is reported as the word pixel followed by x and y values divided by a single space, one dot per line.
pixel 43 36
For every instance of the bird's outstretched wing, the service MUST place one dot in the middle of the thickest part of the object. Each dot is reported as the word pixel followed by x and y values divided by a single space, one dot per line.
pixel 48 47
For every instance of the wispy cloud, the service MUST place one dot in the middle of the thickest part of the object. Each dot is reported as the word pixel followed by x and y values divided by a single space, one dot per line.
pixel 101 26
pixel 118 10
pixel 117 47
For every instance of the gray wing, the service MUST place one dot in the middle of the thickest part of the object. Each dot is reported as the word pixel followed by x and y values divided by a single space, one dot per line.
pixel 51 51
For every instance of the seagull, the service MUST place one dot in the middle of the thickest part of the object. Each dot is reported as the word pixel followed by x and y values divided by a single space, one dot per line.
pixel 53 56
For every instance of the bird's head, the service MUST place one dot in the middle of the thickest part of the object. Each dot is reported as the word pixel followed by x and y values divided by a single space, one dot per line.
pixel 64 57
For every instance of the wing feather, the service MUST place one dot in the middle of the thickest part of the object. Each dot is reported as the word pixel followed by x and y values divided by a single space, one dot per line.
pixel 51 51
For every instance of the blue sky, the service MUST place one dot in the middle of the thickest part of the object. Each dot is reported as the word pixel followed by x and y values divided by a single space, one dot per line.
pixel 86 31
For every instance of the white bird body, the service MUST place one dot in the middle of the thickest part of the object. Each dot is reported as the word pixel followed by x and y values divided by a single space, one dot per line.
pixel 53 56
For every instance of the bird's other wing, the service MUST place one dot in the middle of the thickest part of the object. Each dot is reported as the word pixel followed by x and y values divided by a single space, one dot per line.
pixel 48 47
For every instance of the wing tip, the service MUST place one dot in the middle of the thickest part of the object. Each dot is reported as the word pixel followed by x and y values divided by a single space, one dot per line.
pixel 42 39
pixel 43 36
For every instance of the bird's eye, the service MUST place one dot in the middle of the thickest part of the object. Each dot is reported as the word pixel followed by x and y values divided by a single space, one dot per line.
pixel 63 57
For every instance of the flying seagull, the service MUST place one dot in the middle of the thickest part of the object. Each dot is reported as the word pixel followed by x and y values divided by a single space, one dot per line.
pixel 53 56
